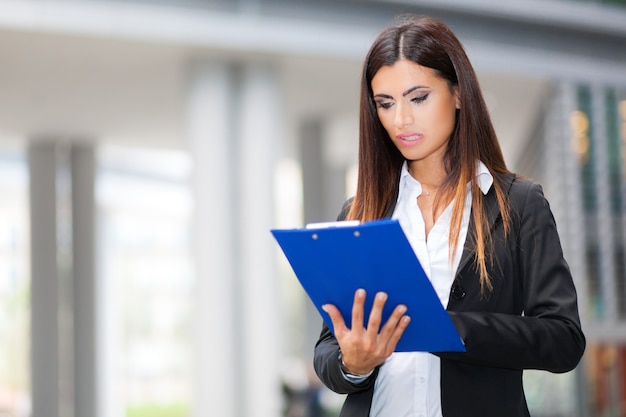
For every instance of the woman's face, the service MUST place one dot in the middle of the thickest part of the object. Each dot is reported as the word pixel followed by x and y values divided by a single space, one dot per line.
pixel 417 109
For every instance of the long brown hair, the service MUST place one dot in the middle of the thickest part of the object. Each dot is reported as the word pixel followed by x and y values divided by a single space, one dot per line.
pixel 430 43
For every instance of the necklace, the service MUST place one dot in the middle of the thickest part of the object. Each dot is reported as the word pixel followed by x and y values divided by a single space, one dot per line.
pixel 427 193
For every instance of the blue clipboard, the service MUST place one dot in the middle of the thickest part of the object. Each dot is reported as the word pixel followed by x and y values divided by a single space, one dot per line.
pixel 332 262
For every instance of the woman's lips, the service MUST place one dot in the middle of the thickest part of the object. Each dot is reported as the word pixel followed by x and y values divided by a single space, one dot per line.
pixel 409 137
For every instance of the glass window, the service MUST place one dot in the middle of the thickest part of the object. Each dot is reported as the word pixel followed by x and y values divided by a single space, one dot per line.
pixel 144 224
pixel 14 286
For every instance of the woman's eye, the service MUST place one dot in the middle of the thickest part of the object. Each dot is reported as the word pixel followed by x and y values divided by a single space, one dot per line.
pixel 419 99
pixel 384 104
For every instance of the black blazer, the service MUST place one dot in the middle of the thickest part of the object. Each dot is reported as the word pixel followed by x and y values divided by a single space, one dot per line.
pixel 529 321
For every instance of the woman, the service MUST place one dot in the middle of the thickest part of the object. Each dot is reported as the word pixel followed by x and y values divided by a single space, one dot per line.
pixel 429 157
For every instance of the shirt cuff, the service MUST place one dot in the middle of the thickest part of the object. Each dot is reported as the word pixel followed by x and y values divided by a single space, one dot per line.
pixel 355 379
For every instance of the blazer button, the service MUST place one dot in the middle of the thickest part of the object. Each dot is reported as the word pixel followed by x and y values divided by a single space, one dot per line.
pixel 458 292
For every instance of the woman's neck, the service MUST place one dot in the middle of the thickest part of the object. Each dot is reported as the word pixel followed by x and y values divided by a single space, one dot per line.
pixel 430 175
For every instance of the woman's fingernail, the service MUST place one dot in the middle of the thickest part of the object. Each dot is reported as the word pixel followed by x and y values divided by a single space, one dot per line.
pixel 325 307
pixel 402 309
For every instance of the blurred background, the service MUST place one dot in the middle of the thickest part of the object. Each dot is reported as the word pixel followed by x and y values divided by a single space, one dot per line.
pixel 147 148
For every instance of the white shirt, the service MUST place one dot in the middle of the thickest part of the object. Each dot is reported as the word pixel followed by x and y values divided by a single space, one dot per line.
pixel 408 384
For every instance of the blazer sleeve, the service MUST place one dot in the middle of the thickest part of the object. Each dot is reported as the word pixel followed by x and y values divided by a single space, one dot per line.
pixel 540 327
pixel 326 364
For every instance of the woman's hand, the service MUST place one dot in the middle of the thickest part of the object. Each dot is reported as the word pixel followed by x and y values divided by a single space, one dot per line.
pixel 365 347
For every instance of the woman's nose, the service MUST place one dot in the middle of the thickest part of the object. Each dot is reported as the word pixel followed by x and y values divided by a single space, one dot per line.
pixel 403 116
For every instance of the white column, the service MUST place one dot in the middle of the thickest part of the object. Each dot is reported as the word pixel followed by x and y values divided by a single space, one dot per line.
pixel 328 147
pixel 85 300
pixel 234 129
pixel 260 132
pixel 63 303
pixel 315 209
pixel 210 132
pixel 45 369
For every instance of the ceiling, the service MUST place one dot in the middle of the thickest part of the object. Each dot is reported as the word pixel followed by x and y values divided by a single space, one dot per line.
pixel 131 92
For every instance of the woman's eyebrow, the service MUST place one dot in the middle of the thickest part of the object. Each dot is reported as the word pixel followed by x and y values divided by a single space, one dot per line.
pixel 410 90
pixel 406 93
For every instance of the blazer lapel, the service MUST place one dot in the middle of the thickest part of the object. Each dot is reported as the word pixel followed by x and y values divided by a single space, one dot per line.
pixel 493 214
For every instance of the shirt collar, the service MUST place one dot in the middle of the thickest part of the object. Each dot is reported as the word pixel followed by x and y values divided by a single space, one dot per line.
pixel 483 177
